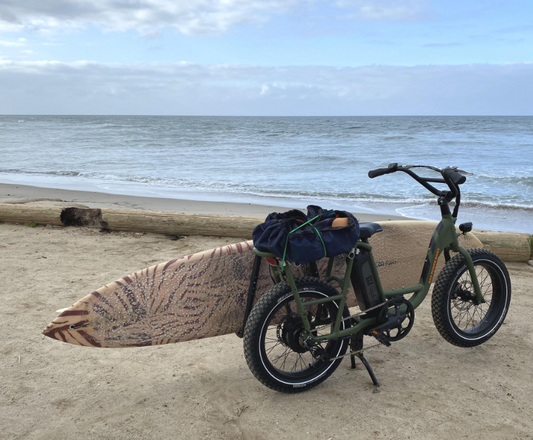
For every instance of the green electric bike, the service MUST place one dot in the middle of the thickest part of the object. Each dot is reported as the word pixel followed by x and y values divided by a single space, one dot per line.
pixel 297 333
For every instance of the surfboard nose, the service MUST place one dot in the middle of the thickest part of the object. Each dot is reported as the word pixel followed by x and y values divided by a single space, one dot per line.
pixel 51 330
pixel 71 327
pixel 55 330
pixel 47 330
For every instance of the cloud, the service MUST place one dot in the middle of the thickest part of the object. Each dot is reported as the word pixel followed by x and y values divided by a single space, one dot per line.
pixel 388 10
pixel 146 16
pixel 83 87
pixel 18 43
pixel 191 17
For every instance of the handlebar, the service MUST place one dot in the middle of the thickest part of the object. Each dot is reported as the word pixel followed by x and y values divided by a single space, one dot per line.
pixel 381 171
pixel 451 176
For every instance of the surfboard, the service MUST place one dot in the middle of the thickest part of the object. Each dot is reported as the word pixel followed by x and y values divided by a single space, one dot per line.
pixel 204 294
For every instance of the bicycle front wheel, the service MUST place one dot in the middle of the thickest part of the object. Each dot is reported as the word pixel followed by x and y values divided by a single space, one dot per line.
pixel 274 337
pixel 458 316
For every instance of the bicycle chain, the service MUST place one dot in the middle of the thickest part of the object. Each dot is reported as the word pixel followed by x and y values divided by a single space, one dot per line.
pixel 367 310
pixel 354 316
pixel 354 352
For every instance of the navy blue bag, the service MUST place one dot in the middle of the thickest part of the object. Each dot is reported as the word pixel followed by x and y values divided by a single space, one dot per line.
pixel 300 238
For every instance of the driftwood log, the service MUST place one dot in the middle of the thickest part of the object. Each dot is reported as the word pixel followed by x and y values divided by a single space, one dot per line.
pixel 180 224
pixel 41 215
pixel 510 246
pixel 132 220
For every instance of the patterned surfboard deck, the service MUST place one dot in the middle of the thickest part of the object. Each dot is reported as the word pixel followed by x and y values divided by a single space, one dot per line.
pixel 204 294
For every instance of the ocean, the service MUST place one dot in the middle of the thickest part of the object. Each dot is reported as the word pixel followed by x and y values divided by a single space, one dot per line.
pixel 281 161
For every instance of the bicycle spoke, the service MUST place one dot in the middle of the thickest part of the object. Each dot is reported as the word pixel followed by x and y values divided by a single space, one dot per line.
pixel 282 339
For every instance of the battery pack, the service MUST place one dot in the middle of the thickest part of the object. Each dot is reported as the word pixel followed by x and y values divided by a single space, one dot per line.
pixel 364 281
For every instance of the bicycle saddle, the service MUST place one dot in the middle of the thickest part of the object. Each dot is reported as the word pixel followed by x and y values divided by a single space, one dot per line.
pixel 367 229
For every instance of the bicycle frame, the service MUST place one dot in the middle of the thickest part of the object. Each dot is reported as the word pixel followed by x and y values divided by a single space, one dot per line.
pixel 444 240
pixel 299 331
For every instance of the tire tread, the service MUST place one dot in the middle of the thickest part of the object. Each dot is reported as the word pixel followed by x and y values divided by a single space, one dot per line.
pixel 440 297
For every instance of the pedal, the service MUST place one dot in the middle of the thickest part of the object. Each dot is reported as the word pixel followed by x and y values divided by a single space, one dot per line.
pixel 381 338
pixel 395 320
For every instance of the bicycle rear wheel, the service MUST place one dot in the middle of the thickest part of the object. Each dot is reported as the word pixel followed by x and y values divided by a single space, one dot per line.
pixel 459 318
pixel 274 344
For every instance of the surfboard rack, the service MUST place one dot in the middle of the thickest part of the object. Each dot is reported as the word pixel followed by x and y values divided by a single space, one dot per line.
pixel 251 293
pixel 252 289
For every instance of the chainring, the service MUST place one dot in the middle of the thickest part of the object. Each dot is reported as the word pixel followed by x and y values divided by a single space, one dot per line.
pixel 396 318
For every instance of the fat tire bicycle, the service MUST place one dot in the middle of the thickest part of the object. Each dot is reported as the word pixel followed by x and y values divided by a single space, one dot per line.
pixel 298 332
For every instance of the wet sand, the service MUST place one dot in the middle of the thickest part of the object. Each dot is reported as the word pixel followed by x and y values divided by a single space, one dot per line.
pixel 11 193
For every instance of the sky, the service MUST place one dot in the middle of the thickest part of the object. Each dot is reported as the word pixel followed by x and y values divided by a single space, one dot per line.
pixel 266 58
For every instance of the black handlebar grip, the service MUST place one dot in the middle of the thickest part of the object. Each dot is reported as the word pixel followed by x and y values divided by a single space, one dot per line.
pixel 380 171
pixel 454 176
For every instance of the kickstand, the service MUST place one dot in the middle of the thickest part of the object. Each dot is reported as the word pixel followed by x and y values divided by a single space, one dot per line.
pixel 356 344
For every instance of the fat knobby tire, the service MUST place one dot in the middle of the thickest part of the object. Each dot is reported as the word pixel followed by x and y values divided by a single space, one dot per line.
pixel 453 301
pixel 270 305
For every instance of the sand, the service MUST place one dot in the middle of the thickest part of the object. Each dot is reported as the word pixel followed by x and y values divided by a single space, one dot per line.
pixel 203 389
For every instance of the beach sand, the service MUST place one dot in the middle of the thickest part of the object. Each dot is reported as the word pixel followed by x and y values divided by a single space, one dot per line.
pixel 203 389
